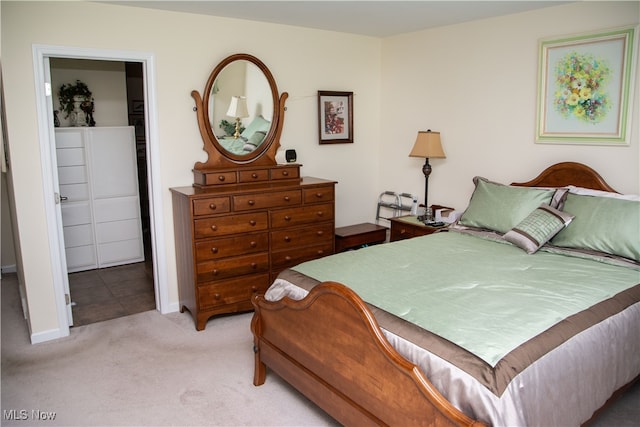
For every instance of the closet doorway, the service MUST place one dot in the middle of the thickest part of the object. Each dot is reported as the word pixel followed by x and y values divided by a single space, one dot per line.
pixel 107 239
pixel 45 118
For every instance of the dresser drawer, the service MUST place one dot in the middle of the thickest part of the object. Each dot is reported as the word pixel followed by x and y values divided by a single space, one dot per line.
pixel 223 225
pixel 267 200
pixel 295 237
pixel 315 195
pixel 254 175
pixel 294 256
pixel 232 246
pixel 219 178
pixel 231 267
pixel 233 291
pixel 285 173
pixel 303 215
pixel 212 205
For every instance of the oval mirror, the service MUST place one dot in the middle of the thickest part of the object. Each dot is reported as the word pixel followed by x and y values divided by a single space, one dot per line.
pixel 240 112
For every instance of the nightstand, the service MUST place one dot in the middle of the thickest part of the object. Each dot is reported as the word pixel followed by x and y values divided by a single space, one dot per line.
pixel 406 227
pixel 356 236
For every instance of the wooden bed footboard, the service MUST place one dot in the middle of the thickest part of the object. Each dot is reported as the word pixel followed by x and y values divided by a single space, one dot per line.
pixel 330 347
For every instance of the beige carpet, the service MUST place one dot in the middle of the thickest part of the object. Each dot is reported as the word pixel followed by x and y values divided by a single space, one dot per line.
pixel 153 370
pixel 142 370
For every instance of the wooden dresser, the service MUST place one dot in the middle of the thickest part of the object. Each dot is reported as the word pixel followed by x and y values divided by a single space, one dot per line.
pixel 233 239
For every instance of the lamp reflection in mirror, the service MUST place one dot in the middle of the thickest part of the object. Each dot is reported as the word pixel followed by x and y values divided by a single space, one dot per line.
pixel 238 109
pixel 427 146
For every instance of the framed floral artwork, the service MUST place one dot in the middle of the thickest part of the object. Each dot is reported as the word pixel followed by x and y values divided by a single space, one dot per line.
pixel 335 117
pixel 585 85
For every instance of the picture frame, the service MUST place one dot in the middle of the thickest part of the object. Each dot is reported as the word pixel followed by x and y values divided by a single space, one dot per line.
pixel 585 88
pixel 335 117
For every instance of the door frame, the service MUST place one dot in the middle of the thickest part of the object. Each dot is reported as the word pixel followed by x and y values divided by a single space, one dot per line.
pixel 41 53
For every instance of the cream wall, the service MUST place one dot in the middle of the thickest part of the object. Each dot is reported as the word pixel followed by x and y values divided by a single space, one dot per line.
pixel 186 49
pixel 476 84
pixel 106 81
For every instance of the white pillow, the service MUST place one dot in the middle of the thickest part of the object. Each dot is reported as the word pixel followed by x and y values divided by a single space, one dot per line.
pixel 589 192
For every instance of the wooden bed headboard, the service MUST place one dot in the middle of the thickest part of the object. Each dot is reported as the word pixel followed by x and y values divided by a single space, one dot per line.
pixel 568 173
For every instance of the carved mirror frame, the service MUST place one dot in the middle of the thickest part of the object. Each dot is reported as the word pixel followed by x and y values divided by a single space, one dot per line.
pixel 218 156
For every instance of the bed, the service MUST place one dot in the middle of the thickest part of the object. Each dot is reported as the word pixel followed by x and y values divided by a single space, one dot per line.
pixel 250 138
pixel 561 313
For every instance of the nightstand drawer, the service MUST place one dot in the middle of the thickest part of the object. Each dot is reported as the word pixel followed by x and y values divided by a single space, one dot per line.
pixel 408 227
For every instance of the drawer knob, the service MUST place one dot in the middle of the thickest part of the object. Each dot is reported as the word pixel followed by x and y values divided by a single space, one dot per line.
pixel 320 252
pixel 320 233
pixel 214 250
pixel 287 258
pixel 319 195
pixel 215 271
pixel 252 223
pixel 217 296
pixel 251 202
pixel 214 227
pixel 287 238
pixel 320 213
pixel 253 244
pixel 285 173
pixel 254 175
pixel 220 178
pixel 254 265
pixel 254 289
pixel 212 206
pixel 287 198
pixel 287 218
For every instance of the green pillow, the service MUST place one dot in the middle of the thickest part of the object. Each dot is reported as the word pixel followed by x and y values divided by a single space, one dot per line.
pixel 538 228
pixel 501 207
pixel 258 124
pixel 255 140
pixel 602 224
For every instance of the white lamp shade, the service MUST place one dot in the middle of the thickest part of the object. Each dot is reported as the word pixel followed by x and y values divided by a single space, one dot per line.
pixel 238 107
pixel 428 146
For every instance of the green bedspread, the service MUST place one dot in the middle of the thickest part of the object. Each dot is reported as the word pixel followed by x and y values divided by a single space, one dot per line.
pixel 484 296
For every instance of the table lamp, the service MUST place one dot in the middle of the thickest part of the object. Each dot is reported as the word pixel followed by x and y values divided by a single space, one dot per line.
pixel 427 146
pixel 238 109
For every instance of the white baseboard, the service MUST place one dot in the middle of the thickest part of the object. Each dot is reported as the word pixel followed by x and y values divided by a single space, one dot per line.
pixel 173 307
pixel 51 334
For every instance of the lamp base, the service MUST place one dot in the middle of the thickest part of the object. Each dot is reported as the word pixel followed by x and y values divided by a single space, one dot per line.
pixel 236 135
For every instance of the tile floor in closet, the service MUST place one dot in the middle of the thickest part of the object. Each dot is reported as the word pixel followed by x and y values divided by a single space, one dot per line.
pixel 112 292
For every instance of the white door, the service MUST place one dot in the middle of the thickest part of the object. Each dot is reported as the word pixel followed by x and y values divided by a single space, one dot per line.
pixel 56 185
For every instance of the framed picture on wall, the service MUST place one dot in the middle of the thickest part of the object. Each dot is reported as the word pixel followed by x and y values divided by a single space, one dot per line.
pixel 335 117
pixel 585 85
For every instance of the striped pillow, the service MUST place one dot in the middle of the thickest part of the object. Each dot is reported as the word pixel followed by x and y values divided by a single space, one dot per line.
pixel 538 228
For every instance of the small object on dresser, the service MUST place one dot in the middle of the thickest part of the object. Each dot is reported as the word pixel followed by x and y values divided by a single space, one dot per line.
pixel 290 156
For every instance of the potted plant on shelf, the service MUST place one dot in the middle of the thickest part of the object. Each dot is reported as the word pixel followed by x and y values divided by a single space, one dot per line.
pixel 76 100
